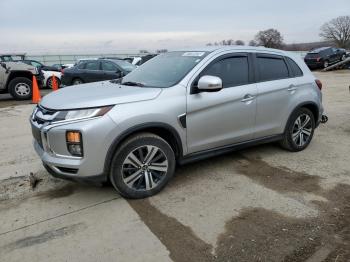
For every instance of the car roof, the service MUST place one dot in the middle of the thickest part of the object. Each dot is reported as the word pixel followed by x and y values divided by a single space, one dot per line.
pixel 319 49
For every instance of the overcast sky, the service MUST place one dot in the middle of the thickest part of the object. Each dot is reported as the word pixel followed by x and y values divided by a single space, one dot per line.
pixel 78 26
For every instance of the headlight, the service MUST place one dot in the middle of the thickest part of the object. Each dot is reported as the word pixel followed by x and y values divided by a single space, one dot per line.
pixel 82 113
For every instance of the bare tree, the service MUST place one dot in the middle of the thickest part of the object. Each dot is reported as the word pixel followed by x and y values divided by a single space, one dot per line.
pixel 160 51
pixel 338 31
pixel 227 42
pixel 271 38
pixel 253 43
pixel 239 42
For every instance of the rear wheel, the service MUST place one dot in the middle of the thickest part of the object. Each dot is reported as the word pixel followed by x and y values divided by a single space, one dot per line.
pixel 50 82
pixel 299 131
pixel 325 64
pixel 20 88
pixel 77 81
pixel 142 166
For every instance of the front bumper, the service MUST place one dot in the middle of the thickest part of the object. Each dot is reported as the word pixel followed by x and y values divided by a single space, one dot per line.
pixel 95 180
pixel 50 144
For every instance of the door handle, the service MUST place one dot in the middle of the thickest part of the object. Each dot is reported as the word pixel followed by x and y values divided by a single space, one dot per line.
pixel 292 88
pixel 247 98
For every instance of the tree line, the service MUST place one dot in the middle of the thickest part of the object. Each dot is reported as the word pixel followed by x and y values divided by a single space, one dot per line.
pixel 335 32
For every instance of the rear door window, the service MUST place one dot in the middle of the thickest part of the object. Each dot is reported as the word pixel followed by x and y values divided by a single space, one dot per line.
pixel 272 68
pixel 233 71
pixel 92 65
pixel 108 66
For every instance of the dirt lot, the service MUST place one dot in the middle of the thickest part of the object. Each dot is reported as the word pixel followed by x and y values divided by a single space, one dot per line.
pixel 259 204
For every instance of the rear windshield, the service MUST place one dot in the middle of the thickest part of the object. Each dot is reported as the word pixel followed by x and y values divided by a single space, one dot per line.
pixel 165 70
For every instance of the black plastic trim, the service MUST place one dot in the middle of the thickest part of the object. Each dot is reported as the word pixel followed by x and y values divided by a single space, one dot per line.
pixel 226 149
pixel 182 120
pixel 97 180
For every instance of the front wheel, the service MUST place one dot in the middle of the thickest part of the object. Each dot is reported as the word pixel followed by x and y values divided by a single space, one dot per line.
pixel 299 131
pixel 20 88
pixel 142 166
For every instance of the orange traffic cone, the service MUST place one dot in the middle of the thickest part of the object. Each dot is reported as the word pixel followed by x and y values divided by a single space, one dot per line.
pixel 36 93
pixel 54 83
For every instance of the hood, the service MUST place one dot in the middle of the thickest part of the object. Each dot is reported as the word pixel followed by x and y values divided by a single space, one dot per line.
pixel 97 94
pixel 13 65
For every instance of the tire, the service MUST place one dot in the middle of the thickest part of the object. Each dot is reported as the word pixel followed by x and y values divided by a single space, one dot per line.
pixel 49 82
pixel 142 177
pixel 20 88
pixel 296 137
pixel 77 81
pixel 325 64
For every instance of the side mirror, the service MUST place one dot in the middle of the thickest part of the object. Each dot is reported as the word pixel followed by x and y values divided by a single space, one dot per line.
pixel 209 83
pixel 4 65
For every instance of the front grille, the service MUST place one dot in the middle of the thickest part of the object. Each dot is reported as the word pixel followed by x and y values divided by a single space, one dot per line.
pixel 43 115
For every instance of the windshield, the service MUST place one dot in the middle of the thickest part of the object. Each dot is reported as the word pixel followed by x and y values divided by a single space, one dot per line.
pixel 165 70
pixel 125 65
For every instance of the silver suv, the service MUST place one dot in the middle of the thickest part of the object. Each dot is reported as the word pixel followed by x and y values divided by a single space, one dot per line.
pixel 178 107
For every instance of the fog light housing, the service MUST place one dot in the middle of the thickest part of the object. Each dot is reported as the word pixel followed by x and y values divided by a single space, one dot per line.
pixel 74 141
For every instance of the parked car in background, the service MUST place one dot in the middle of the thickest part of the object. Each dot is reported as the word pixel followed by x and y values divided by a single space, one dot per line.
pixel 60 67
pixel 96 70
pixel 39 65
pixel 179 107
pixel 324 56
pixel 137 60
pixel 16 78
pixel 48 72
pixel 48 78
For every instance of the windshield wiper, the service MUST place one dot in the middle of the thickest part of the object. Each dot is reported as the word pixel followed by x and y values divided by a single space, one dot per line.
pixel 131 83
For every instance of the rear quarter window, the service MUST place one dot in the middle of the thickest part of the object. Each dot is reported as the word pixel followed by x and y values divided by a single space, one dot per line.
pixel 272 68
pixel 295 68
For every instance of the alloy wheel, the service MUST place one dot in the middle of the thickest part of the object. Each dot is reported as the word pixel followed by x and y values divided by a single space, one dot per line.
pixel 144 168
pixel 302 130
pixel 22 89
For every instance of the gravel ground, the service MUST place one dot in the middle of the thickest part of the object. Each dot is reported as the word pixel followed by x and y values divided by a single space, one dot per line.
pixel 258 204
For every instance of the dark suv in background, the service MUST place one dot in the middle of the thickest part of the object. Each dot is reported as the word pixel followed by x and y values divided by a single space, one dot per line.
pixel 96 70
pixel 324 56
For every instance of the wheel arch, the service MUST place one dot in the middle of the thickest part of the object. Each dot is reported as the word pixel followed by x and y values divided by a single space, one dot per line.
pixel 14 74
pixel 312 106
pixel 165 131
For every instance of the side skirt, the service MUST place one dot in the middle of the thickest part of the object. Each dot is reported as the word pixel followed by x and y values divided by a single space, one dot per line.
pixel 197 156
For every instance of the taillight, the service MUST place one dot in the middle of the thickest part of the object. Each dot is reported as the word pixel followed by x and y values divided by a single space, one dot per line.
pixel 319 84
pixel 318 59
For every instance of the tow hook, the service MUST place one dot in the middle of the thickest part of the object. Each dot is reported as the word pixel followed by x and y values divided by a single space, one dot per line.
pixel 324 119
